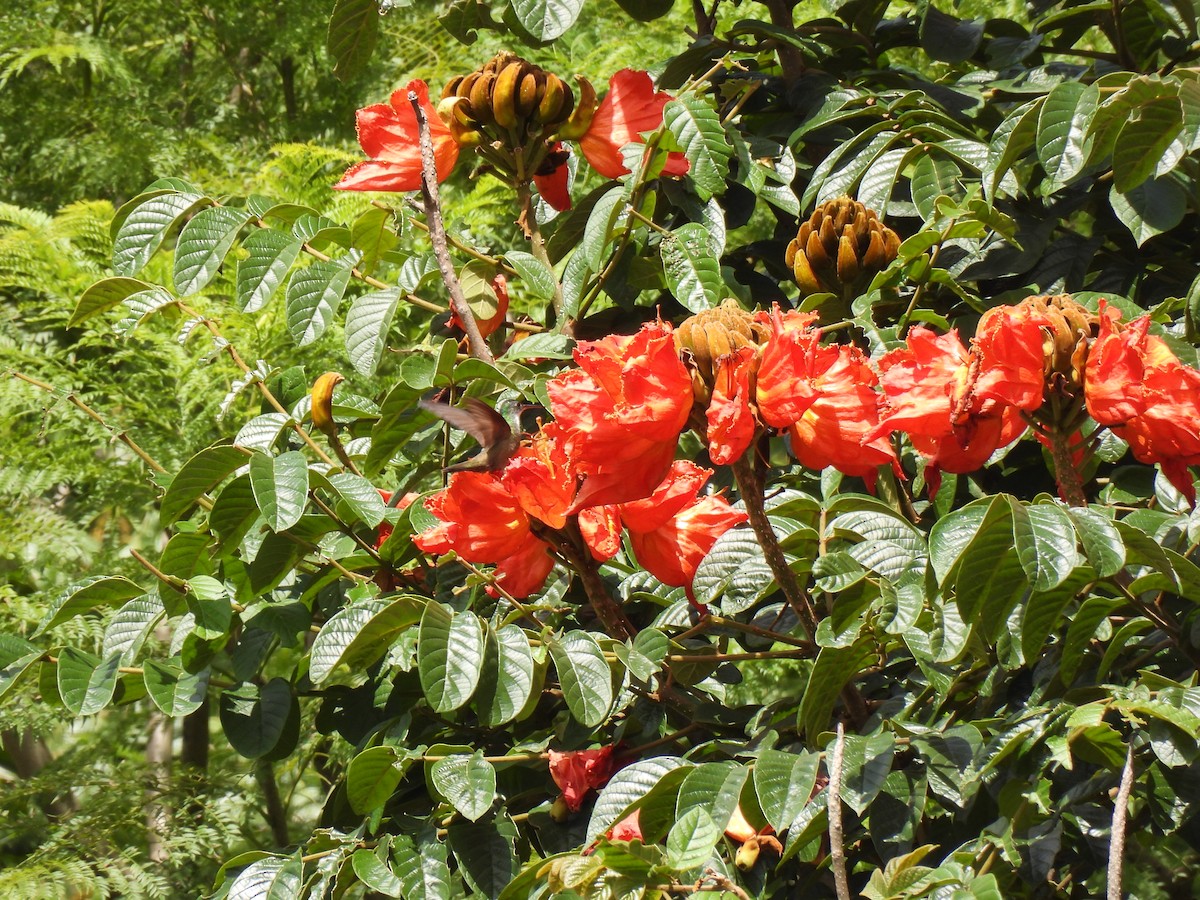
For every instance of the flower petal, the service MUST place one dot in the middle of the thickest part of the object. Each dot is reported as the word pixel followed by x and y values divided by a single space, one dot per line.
pixel 630 107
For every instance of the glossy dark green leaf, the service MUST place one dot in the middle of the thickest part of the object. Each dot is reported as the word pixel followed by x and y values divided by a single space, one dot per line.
pixel 106 294
pixel 467 782
pixel 693 273
pixel 175 691
pixel 628 786
pixel 85 682
pixel 866 761
pixel 203 244
pixel 1141 142
pixel 259 275
pixel 784 782
pixel 538 280
pixel 691 839
pixel 368 323
pixel 546 20
pixel 210 604
pixel 697 129
pixel 423 870
pixel 373 775
pixel 1150 208
pixel 353 34
pixel 833 669
pixel 449 656
pixel 143 231
pixel 485 854
pixel 359 635
pixel 1064 139
pixel 1045 542
pixel 280 485
pixel 200 474
pixel 585 676
pixel 258 721
pixel 83 596
pixel 734 572
pixel 270 878
pixel 509 680
pixel 714 787
pixel 375 872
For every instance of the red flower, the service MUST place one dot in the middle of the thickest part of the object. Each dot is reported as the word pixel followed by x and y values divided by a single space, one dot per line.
pixel 486 516
pixel 385 528
pixel 578 771
pixel 621 413
pixel 671 531
pixel 628 829
pixel 1008 345
pixel 731 424
pixel 630 107
pixel 388 134
pixel 1139 388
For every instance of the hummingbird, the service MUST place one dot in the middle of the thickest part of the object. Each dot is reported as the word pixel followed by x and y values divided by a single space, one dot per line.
pixel 496 439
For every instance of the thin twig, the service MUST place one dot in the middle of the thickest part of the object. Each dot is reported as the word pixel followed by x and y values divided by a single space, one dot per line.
pixel 837 847
pixel 96 417
pixel 437 236
pixel 1116 843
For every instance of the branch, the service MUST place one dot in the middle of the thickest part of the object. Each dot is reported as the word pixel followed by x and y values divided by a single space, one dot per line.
pixel 437 236
pixel 1116 845
pixel 276 814
pixel 837 847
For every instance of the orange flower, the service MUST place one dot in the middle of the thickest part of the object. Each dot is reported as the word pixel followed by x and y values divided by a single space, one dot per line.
pixel 621 413
pixel 1008 344
pixel 630 108
pixel 388 134
pixel 671 531
pixel 1139 388
pixel 486 516
pixel 731 423
pixel 628 829
pixel 578 771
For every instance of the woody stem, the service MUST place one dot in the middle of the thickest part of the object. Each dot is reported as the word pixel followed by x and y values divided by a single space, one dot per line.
pixel 537 243
pixel 607 610
pixel 1066 473
pixel 751 492
pixel 437 236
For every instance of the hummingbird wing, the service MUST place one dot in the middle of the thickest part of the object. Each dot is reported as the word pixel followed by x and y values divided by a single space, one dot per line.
pixel 474 417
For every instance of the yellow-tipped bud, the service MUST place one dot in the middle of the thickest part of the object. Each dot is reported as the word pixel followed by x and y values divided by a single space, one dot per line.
pixel 322 403
pixel 580 119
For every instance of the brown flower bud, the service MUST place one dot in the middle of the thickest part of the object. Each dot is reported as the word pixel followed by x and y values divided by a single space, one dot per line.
pixel 1067 330
pixel 511 100
pixel 841 247
pixel 711 334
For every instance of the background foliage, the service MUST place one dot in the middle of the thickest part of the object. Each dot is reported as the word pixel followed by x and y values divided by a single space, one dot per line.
pixel 1007 653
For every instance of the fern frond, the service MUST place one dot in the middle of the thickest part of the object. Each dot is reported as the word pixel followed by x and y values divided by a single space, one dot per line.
pixel 63 49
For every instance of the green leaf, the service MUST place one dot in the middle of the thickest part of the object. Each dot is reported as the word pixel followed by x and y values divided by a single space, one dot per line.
pixel 313 296
pixel 485 854
pixel 784 783
pixel 422 871
pixel 1063 138
pixel 1153 206
pixel 539 281
pixel 933 176
pixel 143 231
pixel 260 274
pixel 86 595
pixel 1080 633
pixel 257 721
pixel 693 273
pixel 85 682
pixel 368 323
pixel 585 676
pixel 734 572
pixel 359 635
pixel 1100 539
pixel 353 34
pixel 949 39
pixel 210 605
pixel 200 474
pixel 1141 142
pixel 627 787
pixel 233 514
pixel 714 787
pixel 449 656
pixel 131 627
pixel 360 495
pixel 467 782
pixel 834 667
pixel 280 485
pixel 509 665
pixel 203 244
pixel 372 235
pixel 16 656
pixel 1010 141
pixel 173 690
pixel 373 871
pixel 866 764
pixel 106 294
pixel 1043 614
pixel 542 346
pixel 372 776
pixel 697 128
pixel 546 20
pixel 272 878
pixel 1045 542
pixel 691 839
